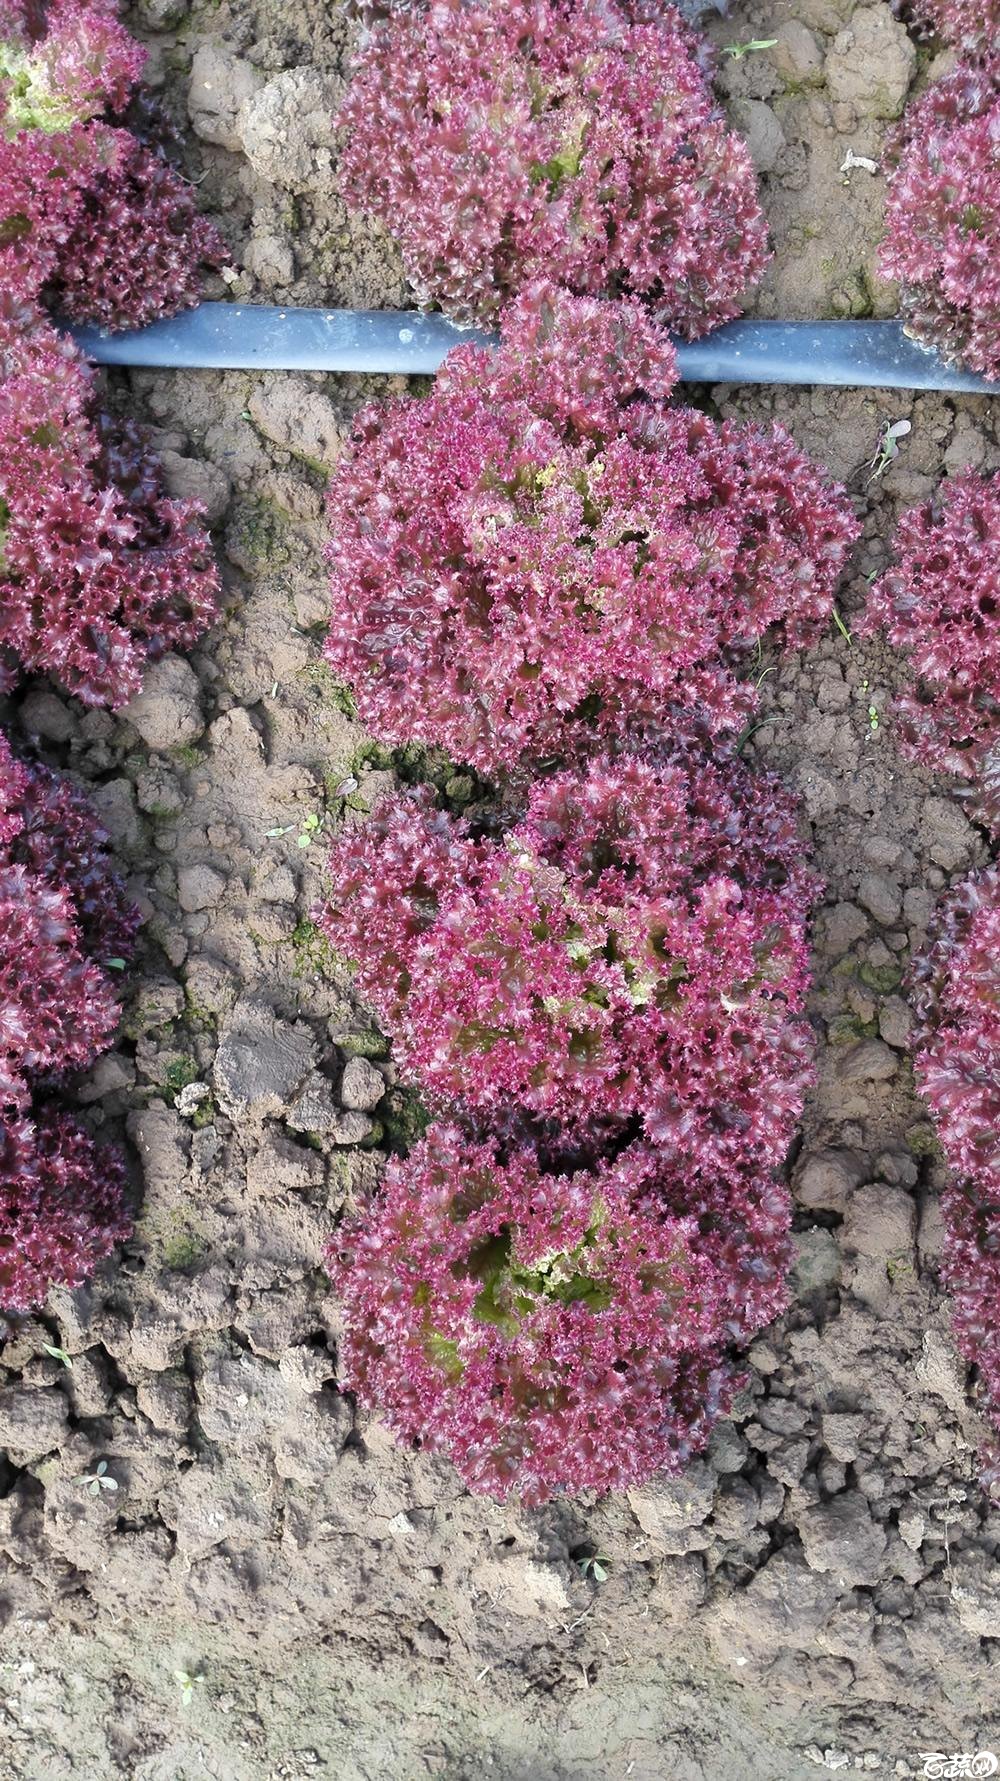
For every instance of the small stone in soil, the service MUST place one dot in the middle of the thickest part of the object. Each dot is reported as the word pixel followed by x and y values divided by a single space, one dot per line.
pixel 895 1023
pixel 361 1086
pixel 825 1180
pixel 261 1062
pixel 195 479
pixel 167 713
pixel 199 887
pixel 817 1261
pixel 45 716
pixel 841 1537
pixel 871 1061
pixel 947 835
pixel 842 927
pixel 881 895
pixel 880 1221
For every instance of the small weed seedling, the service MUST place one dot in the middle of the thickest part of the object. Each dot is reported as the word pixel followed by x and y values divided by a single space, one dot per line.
pixel 842 628
pixel 887 450
pixel 97 1480
pixel 760 671
pixel 739 50
pixel 309 832
pixel 597 1567
pixel 188 1683
pixel 59 1354
pixel 309 829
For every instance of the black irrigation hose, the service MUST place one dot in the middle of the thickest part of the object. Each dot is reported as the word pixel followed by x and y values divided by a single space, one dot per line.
pixel 234 337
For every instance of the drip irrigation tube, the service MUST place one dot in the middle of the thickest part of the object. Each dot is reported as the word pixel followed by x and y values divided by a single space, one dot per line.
pixel 232 337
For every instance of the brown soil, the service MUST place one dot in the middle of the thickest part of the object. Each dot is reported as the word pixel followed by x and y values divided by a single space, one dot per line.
pixel 823 1589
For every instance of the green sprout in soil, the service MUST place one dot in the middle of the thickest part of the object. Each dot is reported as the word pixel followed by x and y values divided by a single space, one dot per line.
pixel 922 1140
pixel 739 50
pixel 309 827
pixel 187 756
pixel 403 1117
pixel 197 1014
pixel 369 1044
pixel 188 1683
pixel 197 1108
pixel 883 979
pixel 842 628
pixel 309 832
pixel 258 532
pixel 596 1567
pixel 342 697
pixel 887 450
pixel 97 1480
pixel 847 1029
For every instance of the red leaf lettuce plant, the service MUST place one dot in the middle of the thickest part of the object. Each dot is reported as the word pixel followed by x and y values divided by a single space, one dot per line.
pixel 957 1001
pixel 943 215
pixel 971 26
pixel 578 140
pixel 99 569
pixel 552 1328
pixel 614 951
pixel 941 603
pixel 91 217
pixel 543 550
pixel 61 909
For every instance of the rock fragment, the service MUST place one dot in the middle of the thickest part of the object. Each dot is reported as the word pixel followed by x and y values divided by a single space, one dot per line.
pixel 167 713
pixel 261 1063
pixel 841 1537
pixel 871 63
pixel 361 1086
pixel 221 84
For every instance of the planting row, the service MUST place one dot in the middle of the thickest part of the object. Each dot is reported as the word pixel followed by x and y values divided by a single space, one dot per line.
pixel 552 571
pixel 598 980
pixel 65 928
pixel 535 564
pixel 100 571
